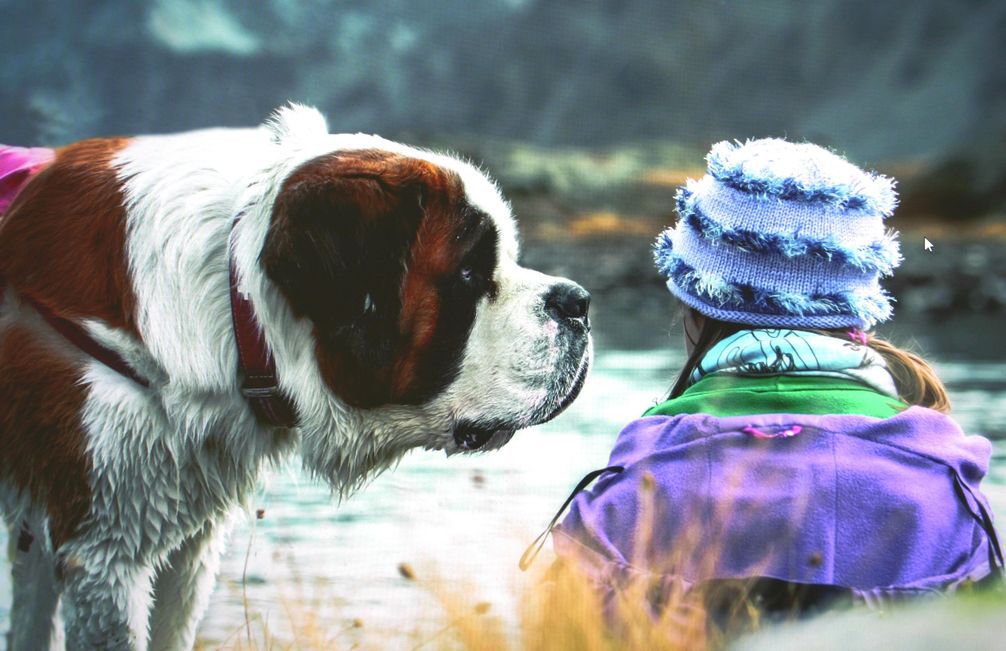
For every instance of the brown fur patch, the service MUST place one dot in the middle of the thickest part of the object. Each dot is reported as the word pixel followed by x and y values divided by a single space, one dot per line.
pixel 435 254
pixel 344 228
pixel 63 240
pixel 42 446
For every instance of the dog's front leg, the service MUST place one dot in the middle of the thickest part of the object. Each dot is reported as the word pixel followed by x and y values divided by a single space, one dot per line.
pixel 34 623
pixel 106 601
pixel 183 586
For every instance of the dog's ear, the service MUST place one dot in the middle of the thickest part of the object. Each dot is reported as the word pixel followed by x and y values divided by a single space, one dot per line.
pixel 295 123
pixel 338 247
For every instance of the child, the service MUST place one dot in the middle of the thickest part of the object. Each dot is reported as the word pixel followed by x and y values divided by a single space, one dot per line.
pixel 799 458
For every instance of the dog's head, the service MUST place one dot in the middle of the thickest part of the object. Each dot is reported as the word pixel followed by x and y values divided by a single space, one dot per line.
pixel 404 263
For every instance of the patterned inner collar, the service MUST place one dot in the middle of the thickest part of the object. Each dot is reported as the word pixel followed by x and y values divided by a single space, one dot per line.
pixel 796 352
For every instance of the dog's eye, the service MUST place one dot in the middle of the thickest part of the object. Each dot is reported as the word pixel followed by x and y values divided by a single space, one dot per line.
pixel 474 279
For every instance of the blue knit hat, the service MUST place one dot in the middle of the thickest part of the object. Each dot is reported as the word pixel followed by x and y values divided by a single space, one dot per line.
pixel 782 234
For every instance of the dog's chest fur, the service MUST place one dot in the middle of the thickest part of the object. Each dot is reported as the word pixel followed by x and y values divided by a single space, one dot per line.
pixel 161 489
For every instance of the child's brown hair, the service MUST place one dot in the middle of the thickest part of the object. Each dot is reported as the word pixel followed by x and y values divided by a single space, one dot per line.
pixel 915 380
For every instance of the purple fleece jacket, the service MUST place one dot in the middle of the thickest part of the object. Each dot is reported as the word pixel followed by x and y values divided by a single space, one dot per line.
pixel 854 501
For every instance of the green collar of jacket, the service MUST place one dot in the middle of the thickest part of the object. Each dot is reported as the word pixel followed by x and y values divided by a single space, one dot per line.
pixel 731 395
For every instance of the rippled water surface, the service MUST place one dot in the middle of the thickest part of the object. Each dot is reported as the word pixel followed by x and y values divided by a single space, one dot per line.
pixel 461 522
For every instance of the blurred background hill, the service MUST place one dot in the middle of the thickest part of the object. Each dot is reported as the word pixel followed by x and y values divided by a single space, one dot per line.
pixel 880 80
pixel 590 112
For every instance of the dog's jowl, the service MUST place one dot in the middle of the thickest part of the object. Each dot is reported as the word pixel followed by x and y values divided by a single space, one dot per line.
pixel 180 311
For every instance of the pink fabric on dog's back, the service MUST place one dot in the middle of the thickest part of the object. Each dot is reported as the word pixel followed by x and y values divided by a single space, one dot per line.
pixel 17 166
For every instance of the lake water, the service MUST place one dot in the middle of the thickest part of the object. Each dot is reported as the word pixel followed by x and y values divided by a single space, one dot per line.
pixel 461 523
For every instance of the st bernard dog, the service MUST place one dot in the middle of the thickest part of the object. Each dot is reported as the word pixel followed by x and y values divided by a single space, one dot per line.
pixel 381 282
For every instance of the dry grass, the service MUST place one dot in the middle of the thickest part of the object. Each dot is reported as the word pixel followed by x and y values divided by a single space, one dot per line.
pixel 559 608
pixel 558 612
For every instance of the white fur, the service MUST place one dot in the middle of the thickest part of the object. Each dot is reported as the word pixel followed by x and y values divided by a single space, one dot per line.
pixel 172 463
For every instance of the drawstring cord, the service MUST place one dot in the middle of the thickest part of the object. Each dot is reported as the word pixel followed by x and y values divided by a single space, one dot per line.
pixel 984 521
pixel 532 550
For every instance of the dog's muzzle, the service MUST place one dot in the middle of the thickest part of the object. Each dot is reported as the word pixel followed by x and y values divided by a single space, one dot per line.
pixel 567 304
pixel 470 436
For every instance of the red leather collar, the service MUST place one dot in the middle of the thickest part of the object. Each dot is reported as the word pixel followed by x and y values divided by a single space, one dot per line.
pixel 255 363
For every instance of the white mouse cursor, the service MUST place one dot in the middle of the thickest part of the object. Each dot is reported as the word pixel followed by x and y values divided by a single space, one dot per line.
pixel 926 244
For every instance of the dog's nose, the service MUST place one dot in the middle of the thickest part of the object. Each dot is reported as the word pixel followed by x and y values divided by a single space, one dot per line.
pixel 567 300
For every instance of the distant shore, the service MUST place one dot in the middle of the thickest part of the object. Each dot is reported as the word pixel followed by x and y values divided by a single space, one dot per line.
pixel 593 215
